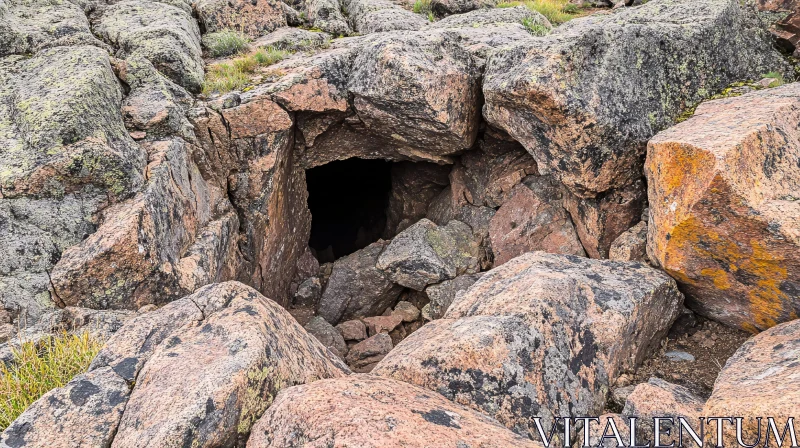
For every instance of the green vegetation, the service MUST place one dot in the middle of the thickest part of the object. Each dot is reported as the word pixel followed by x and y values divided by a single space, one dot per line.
pixel 535 28
pixel 235 74
pixel 556 11
pixel 225 43
pixel 423 7
pixel 39 367
pixel 778 79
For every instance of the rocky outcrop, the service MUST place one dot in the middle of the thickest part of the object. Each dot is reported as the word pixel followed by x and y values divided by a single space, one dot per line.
pixel 253 18
pixel 724 211
pixel 542 335
pixel 327 16
pixel 378 16
pixel 442 294
pixel 357 288
pixel 371 412
pixel 759 380
pixel 585 99
pixel 631 245
pixel 533 218
pixel 426 253
pixel 196 372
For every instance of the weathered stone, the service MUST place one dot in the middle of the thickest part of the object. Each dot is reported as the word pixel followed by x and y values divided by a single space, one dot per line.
pixel 406 310
pixel 533 218
pixel 414 185
pixel 253 18
pixel 542 335
pixel 448 7
pixel 620 394
pixel 759 380
pixel 363 356
pixel 292 39
pixel 327 16
pixel 377 16
pixel 84 413
pixel 353 330
pixel 585 99
pixel 60 126
pixel 382 324
pixel 308 293
pixel 164 34
pixel 658 398
pixel 371 412
pixel 601 433
pixel 327 335
pixel 724 209
pixel 357 288
pixel 631 245
pixel 444 293
pixel 426 253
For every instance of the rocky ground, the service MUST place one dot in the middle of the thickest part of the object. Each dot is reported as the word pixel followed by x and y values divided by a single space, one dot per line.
pixel 374 223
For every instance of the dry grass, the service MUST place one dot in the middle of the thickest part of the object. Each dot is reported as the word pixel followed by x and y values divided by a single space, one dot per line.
pixel 556 11
pixel 39 367
pixel 225 43
pixel 235 74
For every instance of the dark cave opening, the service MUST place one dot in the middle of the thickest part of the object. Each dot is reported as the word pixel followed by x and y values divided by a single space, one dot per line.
pixel 348 201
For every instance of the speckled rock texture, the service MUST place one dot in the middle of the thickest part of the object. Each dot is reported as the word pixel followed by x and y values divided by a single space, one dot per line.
pixel 425 253
pixel 292 39
pixel 414 185
pixel 164 34
pixel 377 16
pixel 372 412
pixel 253 18
pixel 725 207
pixel 542 335
pixel 327 16
pixel 448 7
pixel 658 398
pixel 760 380
pixel 631 245
pixel 197 372
pixel 533 218
pixel 442 294
pixel 329 336
pixel 357 288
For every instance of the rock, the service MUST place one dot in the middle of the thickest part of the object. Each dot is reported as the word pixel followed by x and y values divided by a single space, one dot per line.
pixel 292 39
pixel 444 293
pixel 353 330
pixel 544 92
pixel 631 245
pixel 613 315
pixel 426 253
pixel 377 16
pixel 308 293
pixel 371 412
pixel 27 27
pixel 420 89
pixel 679 355
pixel 724 208
pixel 165 35
pixel 620 394
pixel 206 381
pixel 51 144
pixel 425 312
pixel 533 219
pixel 787 33
pixel 759 380
pixel 448 7
pixel 85 412
pixel 382 324
pixel 602 434
pixel 658 398
pixel 407 311
pixel 327 335
pixel 357 288
pixel 253 18
pixel 363 356
pixel 327 16
pixel 414 185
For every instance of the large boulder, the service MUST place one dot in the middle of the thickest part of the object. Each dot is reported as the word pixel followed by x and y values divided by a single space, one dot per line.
pixel 760 380
pixel 533 218
pixel 196 372
pixel 327 16
pixel 372 412
pixel 253 18
pixel 357 288
pixel 164 34
pixel 377 16
pixel 425 253
pixel 724 209
pixel 541 336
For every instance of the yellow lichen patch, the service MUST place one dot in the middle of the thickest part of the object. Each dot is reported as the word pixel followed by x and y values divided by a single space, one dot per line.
pixel 766 301
pixel 718 276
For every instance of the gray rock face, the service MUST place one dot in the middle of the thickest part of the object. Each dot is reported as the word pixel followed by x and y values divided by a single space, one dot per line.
pixel 327 16
pixel 448 7
pixel 377 16
pixel 166 35
pixel 329 336
pixel 292 39
pixel 29 26
pixel 585 99
pixel 196 372
pixel 414 185
pixel 252 17
pixel 563 327
pixel 444 293
pixel 357 288
pixel 425 253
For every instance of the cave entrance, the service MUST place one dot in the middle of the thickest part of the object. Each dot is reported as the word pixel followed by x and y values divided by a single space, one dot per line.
pixel 348 201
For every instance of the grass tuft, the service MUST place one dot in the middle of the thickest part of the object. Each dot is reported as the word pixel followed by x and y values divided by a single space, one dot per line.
pixel 778 79
pixel 422 7
pixel 535 28
pixel 225 43
pixel 556 11
pixel 224 77
pixel 39 367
